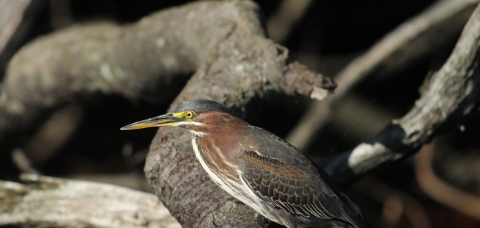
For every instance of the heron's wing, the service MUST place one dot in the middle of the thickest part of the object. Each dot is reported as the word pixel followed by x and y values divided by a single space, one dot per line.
pixel 295 190
pixel 284 178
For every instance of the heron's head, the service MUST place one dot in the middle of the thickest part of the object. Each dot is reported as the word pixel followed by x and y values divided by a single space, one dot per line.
pixel 198 116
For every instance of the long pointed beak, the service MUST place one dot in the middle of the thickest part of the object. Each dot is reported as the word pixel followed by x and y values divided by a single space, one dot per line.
pixel 158 121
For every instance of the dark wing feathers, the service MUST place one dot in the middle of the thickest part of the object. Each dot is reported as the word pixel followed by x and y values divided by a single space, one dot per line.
pixel 293 183
pixel 283 186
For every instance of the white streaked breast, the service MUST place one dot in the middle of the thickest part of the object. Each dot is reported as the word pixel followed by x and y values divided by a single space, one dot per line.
pixel 237 190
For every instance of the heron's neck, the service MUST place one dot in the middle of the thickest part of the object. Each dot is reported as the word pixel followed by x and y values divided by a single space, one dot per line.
pixel 220 137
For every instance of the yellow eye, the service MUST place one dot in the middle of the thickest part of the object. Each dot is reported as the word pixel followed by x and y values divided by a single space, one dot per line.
pixel 189 114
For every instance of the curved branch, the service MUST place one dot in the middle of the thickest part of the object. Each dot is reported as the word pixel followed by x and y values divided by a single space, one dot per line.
pixel 441 191
pixel 448 98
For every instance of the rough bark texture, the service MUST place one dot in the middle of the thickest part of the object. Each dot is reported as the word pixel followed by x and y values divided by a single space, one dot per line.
pixel 243 67
pixel 448 98
pixel 54 202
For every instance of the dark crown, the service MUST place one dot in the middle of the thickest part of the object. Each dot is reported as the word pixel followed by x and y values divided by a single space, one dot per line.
pixel 203 106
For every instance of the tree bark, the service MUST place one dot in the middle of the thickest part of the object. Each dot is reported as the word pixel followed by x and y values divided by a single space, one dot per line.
pixel 243 68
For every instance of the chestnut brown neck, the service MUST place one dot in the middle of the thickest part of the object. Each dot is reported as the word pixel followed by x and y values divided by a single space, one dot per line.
pixel 220 132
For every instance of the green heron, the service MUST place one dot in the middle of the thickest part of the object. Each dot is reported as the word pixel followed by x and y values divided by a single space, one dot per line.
pixel 260 169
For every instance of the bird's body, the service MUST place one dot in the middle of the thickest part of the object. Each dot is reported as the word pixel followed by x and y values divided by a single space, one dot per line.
pixel 260 169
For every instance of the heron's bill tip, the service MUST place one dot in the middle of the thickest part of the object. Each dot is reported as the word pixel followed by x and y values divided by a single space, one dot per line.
pixel 139 125
pixel 159 121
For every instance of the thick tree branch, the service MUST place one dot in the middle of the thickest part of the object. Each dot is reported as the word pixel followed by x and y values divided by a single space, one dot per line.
pixel 54 202
pixel 448 99
pixel 244 67
pixel 147 60
pixel 224 41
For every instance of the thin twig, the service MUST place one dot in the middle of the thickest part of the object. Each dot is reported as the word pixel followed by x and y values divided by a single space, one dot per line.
pixel 22 162
pixel 289 12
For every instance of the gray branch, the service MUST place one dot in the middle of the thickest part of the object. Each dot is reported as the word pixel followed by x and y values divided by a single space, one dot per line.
pixel 448 98
pixel 55 202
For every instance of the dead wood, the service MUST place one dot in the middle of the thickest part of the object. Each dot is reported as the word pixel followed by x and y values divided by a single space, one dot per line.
pixel 54 202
